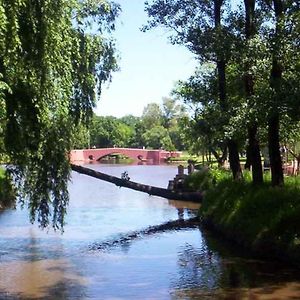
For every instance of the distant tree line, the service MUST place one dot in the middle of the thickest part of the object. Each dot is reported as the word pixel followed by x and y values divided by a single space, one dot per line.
pixel 160 126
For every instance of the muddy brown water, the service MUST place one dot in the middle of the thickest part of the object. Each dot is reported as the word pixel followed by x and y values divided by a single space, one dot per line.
pixel 107 252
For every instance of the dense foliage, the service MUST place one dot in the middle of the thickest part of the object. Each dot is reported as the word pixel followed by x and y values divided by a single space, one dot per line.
pixel 245 98
pixel 158 127
pixel 54 55
pixel 245 93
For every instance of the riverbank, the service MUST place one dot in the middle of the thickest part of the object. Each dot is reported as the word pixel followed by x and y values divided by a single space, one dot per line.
pixel 264 219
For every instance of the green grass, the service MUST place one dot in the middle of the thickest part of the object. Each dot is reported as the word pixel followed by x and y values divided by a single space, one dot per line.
pixel 264 218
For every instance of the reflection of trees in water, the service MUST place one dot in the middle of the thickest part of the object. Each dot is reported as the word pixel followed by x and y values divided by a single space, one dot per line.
pixel 211 269
pixel 35 269
pixel 197 268
pixel 124 240
pixel 184 209
pixel 63 289
pixel 67 289
pixel 219 270
pixel 240 269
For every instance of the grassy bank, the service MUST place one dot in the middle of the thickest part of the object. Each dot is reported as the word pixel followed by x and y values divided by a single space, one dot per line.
pixel 264 219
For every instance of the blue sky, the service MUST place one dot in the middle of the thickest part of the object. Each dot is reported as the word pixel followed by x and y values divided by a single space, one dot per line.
pixel 149 65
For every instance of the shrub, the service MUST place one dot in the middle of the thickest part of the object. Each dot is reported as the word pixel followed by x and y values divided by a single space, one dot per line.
pixel 204 179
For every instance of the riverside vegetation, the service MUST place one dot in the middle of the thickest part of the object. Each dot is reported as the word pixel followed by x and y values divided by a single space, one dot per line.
pixel 55 56
pixel 261 219
pixel 244 98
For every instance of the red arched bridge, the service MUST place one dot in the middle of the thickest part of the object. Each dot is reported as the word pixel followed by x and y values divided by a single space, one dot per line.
pixel 154 156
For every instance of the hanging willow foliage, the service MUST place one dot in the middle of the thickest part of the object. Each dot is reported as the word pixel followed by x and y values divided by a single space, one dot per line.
pixel 54 55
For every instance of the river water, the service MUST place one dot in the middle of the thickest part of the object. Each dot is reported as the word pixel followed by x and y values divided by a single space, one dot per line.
pixel 106 253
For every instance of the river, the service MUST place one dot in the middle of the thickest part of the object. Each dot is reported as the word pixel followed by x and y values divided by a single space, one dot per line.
pixel 105 254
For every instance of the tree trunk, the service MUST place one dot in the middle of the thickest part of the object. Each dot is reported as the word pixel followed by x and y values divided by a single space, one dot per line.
pixel 234 160
pixel 250 24
pixel 253 148
pixel 151 190
pixel 254 152
pixel 273 122
pixel 220 158
pixel 274 151
pixel 273 127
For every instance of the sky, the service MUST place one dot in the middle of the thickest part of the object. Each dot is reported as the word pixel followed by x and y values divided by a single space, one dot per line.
pixel 149 65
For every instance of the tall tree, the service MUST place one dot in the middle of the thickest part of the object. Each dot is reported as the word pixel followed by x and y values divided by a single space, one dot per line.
pixel 110 132
pixel 276 85
pixel 234 159
pixel 158 137
pixel 51 63
pixel 205 129
pixel 171 111
pixel 152 115
pixel 198 25
pixel 253 148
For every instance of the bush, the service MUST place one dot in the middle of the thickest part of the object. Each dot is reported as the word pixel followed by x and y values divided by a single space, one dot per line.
pixel 201 180
pixel 204 179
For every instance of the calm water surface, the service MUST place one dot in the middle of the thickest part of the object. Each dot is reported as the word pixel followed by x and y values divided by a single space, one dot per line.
pixel 105 254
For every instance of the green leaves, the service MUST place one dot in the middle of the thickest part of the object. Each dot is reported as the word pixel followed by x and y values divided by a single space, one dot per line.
pixel 110 132
pixel 249 66
pixel 51 67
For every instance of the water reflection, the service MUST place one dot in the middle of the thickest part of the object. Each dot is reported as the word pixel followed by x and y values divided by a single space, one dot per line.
pixel 124 240
pixel 113 248
pixel 217 272
pixel 40 279
pixel 197 268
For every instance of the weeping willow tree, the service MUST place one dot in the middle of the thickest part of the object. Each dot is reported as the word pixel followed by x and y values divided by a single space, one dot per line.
pixel 54 56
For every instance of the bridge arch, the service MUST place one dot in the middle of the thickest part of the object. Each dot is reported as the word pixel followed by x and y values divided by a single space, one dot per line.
pixel 131 153
pixel 155 156
pixel 111 153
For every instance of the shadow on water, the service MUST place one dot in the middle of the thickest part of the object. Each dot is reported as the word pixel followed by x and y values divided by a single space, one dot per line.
pixel 220 270
pixel 126 239
pixel 215 269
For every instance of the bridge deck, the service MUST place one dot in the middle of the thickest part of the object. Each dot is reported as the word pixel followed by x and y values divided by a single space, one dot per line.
pixel 155 156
